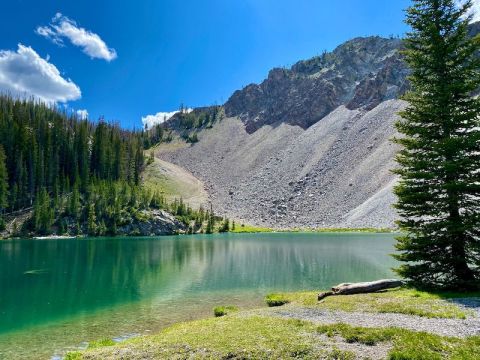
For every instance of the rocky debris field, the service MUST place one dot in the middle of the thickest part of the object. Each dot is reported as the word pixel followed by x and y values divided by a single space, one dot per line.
pixel 439 326
pixel 336 173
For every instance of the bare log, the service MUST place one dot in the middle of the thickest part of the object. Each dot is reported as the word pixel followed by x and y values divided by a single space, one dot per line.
pixel 361 288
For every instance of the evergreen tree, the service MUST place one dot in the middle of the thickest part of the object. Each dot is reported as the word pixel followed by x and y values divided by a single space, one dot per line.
pixel 74 206
pixel 3 181
pixel 43 214
pixel 91 220
pixel 438 195
pixel 225 226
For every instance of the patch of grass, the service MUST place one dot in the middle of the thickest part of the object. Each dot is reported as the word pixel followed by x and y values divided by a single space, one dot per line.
pixel 273 300
pixel 360 230
pixel 239 337
pixel 360 335
pixel 239 229
pixel 224 310
pixel 408 345
pixel 262 337
pixel 74 355
pixel 101 343
pixel 337 354
pixel 399 301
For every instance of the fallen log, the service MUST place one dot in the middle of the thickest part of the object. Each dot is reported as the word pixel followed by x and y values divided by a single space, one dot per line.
pixel 361 288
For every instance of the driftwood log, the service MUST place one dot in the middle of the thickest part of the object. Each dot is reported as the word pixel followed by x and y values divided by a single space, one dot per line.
pixel 361 288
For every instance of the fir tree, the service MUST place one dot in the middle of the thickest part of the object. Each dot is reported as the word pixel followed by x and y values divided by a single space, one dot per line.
pixel 225 226
pixel 438 195
pixel 3 181
pixel 43 213
pixel 91 220
pixel 74 206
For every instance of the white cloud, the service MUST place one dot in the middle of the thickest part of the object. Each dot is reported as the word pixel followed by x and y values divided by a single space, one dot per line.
pixel 151 120
pixel 25 73
pixel 91 44
pixel 475 9
pixel 82 114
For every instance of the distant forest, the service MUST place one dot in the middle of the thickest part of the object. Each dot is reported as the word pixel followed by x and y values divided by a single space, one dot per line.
pixel 56 164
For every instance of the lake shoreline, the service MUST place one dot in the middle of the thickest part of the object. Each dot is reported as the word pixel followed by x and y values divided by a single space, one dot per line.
pixel 248 230
pixel 347 327
pixel 140 285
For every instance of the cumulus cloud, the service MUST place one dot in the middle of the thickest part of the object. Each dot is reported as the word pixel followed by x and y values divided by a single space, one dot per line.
pixel 475 9
pixel 91 44
pixel 82 114
pixel 25 73
pixel 150 121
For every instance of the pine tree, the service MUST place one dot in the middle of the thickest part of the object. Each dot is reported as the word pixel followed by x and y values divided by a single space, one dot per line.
pixel 3 181
pixel 91 220
pixel 3 187
pixel 74 206
pixel 225 226
pixel 43 214
pixel 438 195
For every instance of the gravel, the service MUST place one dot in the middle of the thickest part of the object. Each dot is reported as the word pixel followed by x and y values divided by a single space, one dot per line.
pixel 334 174
pixel 444 327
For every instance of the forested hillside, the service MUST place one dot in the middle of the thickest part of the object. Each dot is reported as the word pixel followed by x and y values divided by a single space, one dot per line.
pixel 46 149
pixel 63 175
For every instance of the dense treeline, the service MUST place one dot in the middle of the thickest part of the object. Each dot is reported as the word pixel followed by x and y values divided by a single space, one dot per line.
pixel 46 150
pixel 77 177
pixel 67 169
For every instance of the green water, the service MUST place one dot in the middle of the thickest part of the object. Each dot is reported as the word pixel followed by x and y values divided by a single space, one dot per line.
pixel 56 295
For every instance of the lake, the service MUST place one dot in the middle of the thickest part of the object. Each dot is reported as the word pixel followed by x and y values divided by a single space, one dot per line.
pixel 56 295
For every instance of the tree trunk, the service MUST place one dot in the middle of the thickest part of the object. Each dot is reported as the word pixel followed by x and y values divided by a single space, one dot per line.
pixel 361 288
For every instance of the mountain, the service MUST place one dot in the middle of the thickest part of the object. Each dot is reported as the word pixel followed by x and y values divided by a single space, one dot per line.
pixel 361 73
pixel 311 145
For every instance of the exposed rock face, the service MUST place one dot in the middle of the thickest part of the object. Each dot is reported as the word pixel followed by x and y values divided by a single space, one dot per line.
pixel 158 222
pixel 361 73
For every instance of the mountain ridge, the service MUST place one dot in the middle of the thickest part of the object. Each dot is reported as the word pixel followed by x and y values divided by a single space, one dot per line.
pixel 310 146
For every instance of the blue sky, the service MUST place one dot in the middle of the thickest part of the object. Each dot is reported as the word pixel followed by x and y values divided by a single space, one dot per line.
pixel 129 59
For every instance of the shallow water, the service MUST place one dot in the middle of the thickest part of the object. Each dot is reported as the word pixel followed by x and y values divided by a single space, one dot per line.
pixel 56 295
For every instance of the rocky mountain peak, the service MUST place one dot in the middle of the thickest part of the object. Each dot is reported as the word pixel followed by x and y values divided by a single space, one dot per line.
pixel 359 73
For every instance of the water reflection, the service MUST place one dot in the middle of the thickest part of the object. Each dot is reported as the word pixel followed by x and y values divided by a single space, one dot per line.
pixel 53 281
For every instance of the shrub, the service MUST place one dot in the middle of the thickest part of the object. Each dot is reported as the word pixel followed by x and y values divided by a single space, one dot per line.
pixel 273 300
pixel 224 310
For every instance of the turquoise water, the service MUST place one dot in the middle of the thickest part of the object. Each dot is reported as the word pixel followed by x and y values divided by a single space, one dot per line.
pixel 56 295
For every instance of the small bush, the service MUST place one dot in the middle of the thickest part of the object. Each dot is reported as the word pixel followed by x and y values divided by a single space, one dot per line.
pixel 224 310
pixel 273 300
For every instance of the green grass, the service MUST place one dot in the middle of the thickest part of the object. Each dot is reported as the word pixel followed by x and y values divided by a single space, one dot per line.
pixel 236 337
pixel 359 230
pixel 408 344
pixel 173 183
pixel 260 337
pixel 400 301
pixel 255 229
pixel 273 300
pixel 239 229
pixel 224 310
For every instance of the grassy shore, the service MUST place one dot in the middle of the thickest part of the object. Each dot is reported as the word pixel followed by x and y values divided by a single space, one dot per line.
pixel 256 229
pixel 260 334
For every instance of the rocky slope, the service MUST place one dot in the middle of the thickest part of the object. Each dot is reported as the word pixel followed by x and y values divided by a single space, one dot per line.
pixel 335 173
pixel 309 146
